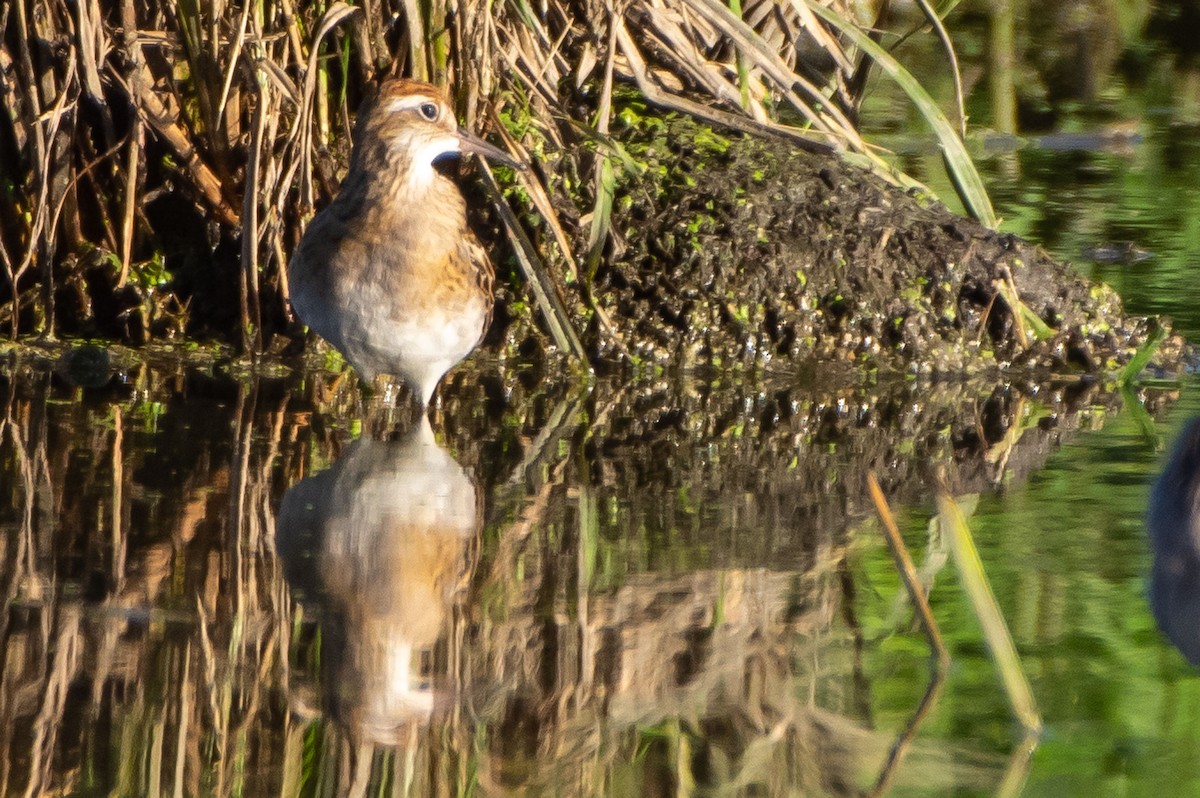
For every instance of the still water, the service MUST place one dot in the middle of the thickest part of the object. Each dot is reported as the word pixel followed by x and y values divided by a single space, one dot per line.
pixel 220 583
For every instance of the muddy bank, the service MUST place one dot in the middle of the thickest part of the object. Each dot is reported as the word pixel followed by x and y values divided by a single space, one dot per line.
pixel 745 253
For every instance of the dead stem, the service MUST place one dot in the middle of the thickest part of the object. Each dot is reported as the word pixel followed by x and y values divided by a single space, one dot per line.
pixel 908 573
pixel 117 517
pixel 251 305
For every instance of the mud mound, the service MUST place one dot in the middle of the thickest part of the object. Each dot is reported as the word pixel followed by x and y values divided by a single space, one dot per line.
pixel 743 253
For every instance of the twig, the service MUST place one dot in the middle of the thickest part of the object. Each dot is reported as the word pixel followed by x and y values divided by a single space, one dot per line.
pixel 132 187
pixel 250 300
pixel 303 128
pixel 937 681
pixel 153 110
pixel 908 572
pixel 554 311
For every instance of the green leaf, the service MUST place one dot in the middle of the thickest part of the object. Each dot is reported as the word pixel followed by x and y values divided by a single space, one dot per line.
pixel 1134 367
pixel 606 187
pixel 987 611
pixel 959 164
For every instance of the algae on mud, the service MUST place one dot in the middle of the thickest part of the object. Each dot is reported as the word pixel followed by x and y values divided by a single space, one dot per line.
pixel 746 253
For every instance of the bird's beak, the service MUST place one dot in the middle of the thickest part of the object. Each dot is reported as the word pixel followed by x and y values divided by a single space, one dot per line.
pixel 470 143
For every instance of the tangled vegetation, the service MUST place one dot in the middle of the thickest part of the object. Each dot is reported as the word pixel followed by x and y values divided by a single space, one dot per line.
pixel 161 159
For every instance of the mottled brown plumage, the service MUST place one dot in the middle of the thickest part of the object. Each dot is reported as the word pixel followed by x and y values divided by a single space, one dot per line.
pixel 389 273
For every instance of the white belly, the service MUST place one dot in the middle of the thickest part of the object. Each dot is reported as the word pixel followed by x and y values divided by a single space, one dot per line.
pixel 418 348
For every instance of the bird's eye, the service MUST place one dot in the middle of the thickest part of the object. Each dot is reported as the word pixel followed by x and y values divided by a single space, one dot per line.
pixel 429 111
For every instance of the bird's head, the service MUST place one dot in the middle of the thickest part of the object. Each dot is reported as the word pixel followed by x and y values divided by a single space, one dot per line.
pixel 416 124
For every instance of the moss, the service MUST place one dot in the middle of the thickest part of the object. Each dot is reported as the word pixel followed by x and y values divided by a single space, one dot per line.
pixel 743 253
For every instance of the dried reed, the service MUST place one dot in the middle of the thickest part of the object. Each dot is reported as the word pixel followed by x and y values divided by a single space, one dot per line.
pixel 135 134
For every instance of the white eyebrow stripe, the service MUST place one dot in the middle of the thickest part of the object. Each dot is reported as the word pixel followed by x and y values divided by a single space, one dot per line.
pixel 411 101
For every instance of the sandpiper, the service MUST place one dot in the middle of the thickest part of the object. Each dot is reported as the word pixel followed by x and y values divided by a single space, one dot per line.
pixel 381 546
pixel 389 273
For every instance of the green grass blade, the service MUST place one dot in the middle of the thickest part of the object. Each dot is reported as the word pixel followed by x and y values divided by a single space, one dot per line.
pixel 1141 358
pixel 959 164
pixel 983 601
pixel 1141 417
pixel 606 189
pixel 1023 315
pixel 743 72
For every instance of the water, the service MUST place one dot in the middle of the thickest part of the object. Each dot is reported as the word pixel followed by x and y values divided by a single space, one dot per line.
pixel 630 591
pixel 663 588
pixel 1119 193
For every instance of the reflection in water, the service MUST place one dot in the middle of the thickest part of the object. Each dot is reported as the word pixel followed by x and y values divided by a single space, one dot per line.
pixel 1173 522
pixel 669 593
pixel 380 544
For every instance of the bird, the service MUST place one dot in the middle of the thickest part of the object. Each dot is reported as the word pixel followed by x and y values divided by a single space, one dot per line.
pixel 1173 525
pixel 389 273
pixel 381 547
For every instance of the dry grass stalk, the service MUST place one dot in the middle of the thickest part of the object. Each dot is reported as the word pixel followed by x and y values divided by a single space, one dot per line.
pixel 243 106
pixel 908 573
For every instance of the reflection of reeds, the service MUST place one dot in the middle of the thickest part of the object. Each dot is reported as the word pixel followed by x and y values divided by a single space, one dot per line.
pixel 991 619
pixel 172 700
pixel 660 598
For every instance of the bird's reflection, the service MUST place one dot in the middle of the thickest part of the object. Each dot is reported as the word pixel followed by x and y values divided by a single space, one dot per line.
pixel 380 544
pixel 1173 522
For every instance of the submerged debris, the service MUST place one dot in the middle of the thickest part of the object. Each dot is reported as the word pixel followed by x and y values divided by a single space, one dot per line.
pixel 1125 253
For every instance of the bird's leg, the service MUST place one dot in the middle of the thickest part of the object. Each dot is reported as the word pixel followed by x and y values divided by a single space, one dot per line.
pixel 434 412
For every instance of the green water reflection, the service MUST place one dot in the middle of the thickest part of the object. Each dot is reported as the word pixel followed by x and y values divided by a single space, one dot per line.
pixel 1073 201
pixel 1067 556
pixel 662 590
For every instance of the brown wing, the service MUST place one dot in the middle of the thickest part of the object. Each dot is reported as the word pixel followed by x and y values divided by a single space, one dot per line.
pixel 482 273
